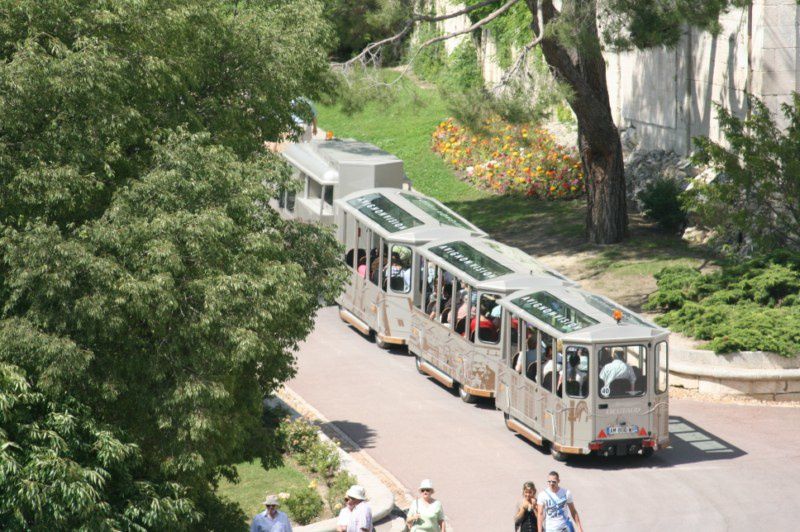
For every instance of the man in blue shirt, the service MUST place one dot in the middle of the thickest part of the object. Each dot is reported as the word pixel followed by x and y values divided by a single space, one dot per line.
pixel 271 519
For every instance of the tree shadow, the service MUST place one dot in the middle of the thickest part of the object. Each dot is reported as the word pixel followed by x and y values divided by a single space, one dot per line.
pixel 689 444
pixel 360 434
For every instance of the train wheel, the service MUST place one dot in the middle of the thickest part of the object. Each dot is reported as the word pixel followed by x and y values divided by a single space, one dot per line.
pixel 418 364
pixel 380 343
pixel 647 452
pixel 465 395
pixel 557 455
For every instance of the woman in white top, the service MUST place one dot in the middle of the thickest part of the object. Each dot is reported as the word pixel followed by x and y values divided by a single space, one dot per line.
pixel 425 513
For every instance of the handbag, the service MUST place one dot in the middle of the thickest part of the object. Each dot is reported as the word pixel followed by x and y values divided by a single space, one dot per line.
pixel 408 512
pixel 570 526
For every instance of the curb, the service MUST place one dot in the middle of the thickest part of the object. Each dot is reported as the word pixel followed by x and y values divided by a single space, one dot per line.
pixel 741 374
pixel 381 498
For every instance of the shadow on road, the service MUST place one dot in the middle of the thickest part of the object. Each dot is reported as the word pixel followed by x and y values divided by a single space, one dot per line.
pixel 688 444
pixel 361 434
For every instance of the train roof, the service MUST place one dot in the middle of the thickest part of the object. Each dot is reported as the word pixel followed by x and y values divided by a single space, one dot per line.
pixel 489 265
pixel 572 314
pixel 321 159
pixel 406 216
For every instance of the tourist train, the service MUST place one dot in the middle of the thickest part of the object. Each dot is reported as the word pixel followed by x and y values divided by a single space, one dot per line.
pixel 571 371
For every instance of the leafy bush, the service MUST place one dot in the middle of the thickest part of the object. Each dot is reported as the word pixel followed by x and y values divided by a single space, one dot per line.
pixel 337 487
pixel 430 61
pixel 748 306
pixel 321 457
pixel 304 504
pixel 662 203
pixel 461 69
pixel 508 158
pixel 298 435
pixel 753 205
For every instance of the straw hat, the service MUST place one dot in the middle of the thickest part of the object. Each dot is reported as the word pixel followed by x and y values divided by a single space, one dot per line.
pixel 272 500
pixel 357 492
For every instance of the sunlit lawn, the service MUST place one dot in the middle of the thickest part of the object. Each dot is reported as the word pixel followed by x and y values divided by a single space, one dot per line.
pixel 255 483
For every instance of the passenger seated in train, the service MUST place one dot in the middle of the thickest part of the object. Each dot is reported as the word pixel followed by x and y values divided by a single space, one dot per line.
pixel 488 331
pixel 616 370
pixel 527 359
pixel 461 315
pixel 362 266
pixel 575 375
pixel 444 303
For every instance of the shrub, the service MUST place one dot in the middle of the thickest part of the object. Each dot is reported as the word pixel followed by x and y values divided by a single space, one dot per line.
pixel 662 203
pixel 337 487
pixel 462 71
pixel 304 504
pixel 509 158
pixel 321 457
pixel 747 306
pixel 298 435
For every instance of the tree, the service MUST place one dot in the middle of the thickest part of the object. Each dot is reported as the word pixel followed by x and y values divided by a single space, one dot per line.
pixel 572 39
pixel 753 205
pixel 150 298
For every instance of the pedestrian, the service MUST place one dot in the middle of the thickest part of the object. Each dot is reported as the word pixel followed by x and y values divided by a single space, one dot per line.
pixel 425 513
pixel 526 517
pixel 271 519
pixel 356 516
pixel 556 508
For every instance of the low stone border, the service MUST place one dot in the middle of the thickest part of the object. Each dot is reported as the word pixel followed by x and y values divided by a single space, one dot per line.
pixel 748 373
pixel 381 498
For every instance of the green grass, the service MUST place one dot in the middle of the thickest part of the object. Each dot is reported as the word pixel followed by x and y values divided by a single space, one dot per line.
pixel 403 126
pixel 255 483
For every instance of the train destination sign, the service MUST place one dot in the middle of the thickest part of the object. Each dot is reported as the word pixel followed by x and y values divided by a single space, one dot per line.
pixel 554 312
pixel 470 261
pixel 382 211
pixel 436 210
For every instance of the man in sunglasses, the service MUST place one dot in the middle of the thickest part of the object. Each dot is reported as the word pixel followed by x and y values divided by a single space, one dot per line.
pixel 555 508
pixel 356 516
pixel 271 519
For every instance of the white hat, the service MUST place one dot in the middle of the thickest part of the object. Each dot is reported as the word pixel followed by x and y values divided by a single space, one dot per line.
pixel 272 500
pixel 357 492
pixel 426 484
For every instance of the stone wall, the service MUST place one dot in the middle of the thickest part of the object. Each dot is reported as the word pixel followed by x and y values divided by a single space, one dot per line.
pixel 668 94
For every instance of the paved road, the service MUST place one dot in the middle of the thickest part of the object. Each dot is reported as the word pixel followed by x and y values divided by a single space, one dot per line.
pixel 731 467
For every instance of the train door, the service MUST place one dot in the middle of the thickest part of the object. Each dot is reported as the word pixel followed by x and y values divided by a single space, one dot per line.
pixel 547 402
pixel 396 284
pixel 526 375
pixel 574 429
pixel 660 407
pixel 479 316
pixel 622 412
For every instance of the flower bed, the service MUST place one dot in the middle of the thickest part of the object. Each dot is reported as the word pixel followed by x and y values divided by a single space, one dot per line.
pixel 511 159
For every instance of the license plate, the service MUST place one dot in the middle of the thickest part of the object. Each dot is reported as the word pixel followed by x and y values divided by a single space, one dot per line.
pixel 622 429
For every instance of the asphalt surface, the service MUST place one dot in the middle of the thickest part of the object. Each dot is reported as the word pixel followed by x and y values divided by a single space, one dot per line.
pixel 730 467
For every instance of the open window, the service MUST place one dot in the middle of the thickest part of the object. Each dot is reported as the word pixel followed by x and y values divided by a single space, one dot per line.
pixel 398 270
pixel 575 380
pixel 485 322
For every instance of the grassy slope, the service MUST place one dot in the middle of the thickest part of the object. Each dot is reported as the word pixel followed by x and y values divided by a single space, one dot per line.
pixel 255 483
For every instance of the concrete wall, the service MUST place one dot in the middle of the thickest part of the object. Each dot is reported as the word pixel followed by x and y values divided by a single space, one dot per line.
pixel 669 94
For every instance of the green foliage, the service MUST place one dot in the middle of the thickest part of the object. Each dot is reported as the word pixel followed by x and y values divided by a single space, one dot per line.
pixel 298 435
pixel 357 23
pixel 321 457
pixel 429 62
pixel 511 30
pixel 754 204
pixel 662 203
pixel 748 306
pixel 149 299
pixel 304 504
pixel 462 71
pixel 337 488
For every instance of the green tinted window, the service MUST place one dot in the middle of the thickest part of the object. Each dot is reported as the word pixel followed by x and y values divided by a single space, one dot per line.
pixel 380 210
pixel 436 210
pixel 470 261
pixel 554 312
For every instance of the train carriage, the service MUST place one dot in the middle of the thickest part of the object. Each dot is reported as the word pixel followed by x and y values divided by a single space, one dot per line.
pixel 583 374
pixel 381 230
pixel 456 328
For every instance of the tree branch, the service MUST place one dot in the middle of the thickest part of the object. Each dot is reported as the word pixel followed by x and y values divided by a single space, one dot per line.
pixel 372 48
pixel 520 61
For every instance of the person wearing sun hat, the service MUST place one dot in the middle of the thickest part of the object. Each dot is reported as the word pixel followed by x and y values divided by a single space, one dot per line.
pixel 425 513
pixel 271 519
pixel 356 516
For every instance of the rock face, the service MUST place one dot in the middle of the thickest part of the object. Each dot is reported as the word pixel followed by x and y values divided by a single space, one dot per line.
pixel 644 166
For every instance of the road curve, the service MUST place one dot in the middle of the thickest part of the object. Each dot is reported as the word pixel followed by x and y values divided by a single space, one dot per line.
pixel 731 467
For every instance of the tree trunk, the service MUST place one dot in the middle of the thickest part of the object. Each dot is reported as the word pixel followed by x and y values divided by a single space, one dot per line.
pixel 582 68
